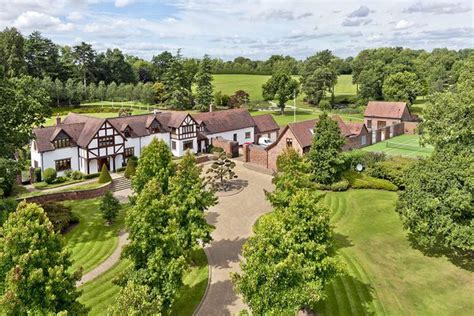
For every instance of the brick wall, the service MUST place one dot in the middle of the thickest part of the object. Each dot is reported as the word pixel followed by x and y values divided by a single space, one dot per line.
pixel 72 195
pixel 230 147
pixel 256 155
pixel 410 127
pixel 280 146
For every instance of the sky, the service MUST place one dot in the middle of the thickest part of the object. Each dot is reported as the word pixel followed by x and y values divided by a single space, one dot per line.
pixel 254 29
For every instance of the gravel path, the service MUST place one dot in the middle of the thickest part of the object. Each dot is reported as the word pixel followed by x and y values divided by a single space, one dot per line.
pixel 233 218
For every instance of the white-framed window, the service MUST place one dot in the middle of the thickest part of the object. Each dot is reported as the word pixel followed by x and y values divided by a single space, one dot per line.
pixel 63 164
pixel 173 145
pixel 248 135
pixel 363 140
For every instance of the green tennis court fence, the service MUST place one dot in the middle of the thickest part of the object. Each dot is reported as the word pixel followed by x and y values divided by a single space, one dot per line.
pixel 408 147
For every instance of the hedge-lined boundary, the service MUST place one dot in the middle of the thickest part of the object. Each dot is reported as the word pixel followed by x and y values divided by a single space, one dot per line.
pixel 68 195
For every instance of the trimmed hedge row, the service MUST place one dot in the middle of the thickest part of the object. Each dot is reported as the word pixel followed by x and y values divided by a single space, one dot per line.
pixel 363 181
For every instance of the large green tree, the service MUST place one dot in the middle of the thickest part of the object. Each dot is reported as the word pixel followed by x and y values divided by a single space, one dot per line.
pixel 42 56
pixel 35 275
pixel 325 152
pixel 290 258
pixel 23 105
pixel 204 93
pixel 12 52
pixel 155 249
pixel 319 76
pixel 178 91
pixel 85 60
pixel 281 87
pixel 190 198
pixel 293 174
pixel 402 86
pixel 156 162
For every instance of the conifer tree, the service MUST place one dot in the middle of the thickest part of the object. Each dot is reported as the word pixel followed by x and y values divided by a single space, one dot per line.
pixel 104 176
pixel 204 93
pixel 35 275
pixel 156 161
pixel 191 198
pixel 109 206
pixel 325 153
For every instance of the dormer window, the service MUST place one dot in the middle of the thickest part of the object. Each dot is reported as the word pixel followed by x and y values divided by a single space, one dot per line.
pixel 62 143
pixel 154 127
pixel 126 132
pixel 154 130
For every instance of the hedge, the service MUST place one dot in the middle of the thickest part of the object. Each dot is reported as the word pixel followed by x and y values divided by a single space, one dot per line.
pixel 363 181
pixel 91 175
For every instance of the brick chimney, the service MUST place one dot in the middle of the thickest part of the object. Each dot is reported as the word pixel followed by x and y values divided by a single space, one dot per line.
pixel 58 119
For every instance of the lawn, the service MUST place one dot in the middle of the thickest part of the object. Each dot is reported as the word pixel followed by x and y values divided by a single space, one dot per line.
pixel 410 146
pixel 91 241
pixel 289 116
pixel 385 275
pixel 100 293
pixel 252 84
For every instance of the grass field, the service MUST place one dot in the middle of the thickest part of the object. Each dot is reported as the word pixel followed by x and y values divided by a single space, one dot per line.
pixel 412 141
pixel 385 275
pixel 100 293
pixel 289 117
pixel 91 241
pixel 252 84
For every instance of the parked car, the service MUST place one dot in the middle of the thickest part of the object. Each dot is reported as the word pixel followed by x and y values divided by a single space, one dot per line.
pixel 264 141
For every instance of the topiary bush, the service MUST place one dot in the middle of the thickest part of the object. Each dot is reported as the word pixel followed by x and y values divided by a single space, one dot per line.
pixel 104 175
pixel 131 167
pixel 49 175
pixel 37 173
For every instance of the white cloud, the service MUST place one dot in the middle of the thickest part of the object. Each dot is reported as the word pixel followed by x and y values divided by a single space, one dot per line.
pixel 439 7
pixel 123 3
pixel 356 22
pixel 74 16
pixel 362 12
pixel 404 24
pixel 32 20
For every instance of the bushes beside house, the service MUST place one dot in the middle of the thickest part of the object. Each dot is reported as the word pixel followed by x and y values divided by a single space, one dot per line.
pixel 50 175
pixel 131 167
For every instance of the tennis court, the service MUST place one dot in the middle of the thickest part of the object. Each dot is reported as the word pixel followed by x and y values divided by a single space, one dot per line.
pixel 403 145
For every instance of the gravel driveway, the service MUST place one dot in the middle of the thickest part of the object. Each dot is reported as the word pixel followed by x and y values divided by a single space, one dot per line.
pixel 233 217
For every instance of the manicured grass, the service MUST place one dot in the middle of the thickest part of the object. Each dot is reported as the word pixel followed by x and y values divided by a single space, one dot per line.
pixel 100 293
pixel 385 275
pixel 252 84
pixel 45 186
pixel 413 141
pixel 289 117
pixel 91 241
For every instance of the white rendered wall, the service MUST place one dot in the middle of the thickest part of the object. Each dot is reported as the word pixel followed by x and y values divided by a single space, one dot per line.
pixel 49 158
pixel 179 151
pixel 35 155
pixel 240 135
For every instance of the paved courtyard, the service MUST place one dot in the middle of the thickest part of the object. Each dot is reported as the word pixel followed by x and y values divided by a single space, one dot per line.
pixel 233 217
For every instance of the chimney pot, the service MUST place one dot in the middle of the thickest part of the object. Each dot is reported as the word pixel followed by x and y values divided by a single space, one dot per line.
pixel 58 119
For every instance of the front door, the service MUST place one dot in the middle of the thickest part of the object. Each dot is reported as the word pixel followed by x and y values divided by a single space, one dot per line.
pixel 103 161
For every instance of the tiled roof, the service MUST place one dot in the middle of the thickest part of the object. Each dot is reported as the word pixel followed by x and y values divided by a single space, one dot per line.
pixel 355 128
pixel 303 130
pixel 265 123
pixel 226 120
pixel 385 109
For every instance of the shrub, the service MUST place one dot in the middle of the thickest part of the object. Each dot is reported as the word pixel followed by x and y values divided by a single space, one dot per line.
pixel 104 175
pixel 366 158
pixel 91 176
pixel 59 214
pixel 120 169
pixel 49 175
pixel 76 175
pixel 342 185
pixel 215 149
pixel 109 206
pixel 393 169
pixel 131 167
pixel 37 174
pixel 7 206
pixel 363 181
pixel 68 173
pixel 61 179
pixel 8 172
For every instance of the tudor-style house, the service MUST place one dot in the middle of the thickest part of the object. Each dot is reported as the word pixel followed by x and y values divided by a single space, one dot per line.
pixel 85 143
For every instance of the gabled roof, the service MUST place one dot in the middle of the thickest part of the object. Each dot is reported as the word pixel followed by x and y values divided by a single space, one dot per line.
pixel 45 135
pixel 226 120
pixel 265 123
pixel 355 128
pixel 303 131
pixel 91 126
pixel 386 109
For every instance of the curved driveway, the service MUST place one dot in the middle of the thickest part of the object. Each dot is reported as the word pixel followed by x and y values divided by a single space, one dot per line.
pixel 233 218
